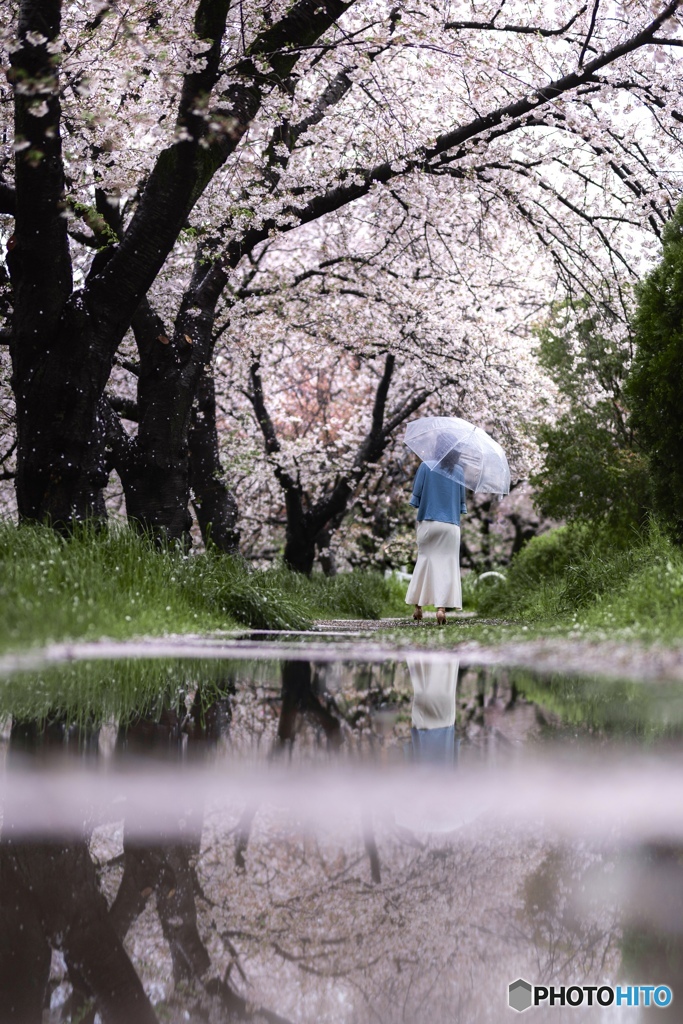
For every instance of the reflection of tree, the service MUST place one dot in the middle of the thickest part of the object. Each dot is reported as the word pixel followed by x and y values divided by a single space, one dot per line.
pixel 308 922
pixel 652 943
pixel 164 866
pixel 299 699
pixel 431 942
pixel 50 898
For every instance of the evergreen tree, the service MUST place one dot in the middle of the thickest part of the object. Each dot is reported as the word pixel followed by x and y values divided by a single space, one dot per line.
pixel 592 469
pixel 655 384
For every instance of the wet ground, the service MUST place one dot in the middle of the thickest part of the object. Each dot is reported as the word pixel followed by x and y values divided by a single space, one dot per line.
pixel 335 827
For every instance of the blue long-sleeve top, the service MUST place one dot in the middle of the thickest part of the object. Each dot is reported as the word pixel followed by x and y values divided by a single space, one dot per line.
pixel 439 497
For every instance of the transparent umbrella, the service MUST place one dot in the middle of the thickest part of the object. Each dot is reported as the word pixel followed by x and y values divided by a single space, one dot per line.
pixel 457 448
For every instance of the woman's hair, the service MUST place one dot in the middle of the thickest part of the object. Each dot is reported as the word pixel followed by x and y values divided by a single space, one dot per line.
pixel 450 460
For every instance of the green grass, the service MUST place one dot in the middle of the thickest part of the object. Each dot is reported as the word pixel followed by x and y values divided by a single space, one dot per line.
pixel 114 583
pixel 581 579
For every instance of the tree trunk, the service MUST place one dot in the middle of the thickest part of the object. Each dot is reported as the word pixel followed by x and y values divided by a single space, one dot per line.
pixel 61 468
pixel 214 503
pixel 156 470
pixel 299 553
pixel 325 552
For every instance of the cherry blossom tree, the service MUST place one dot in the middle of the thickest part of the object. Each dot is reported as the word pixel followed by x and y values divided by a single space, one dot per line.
pixel 239 127
pixel 338 355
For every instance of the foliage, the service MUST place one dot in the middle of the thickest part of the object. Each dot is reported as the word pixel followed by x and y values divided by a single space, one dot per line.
pixel 115 583
pixel 580 579
pixel 655 386
pixel 591 467
pixel 535 574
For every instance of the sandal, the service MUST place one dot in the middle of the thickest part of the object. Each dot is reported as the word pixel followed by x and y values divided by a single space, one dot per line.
pixel 417 614
pixel 441 616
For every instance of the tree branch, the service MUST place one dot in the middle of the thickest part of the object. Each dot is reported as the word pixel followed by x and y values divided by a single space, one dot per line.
pixel 591 29
pixel 376 437
pixel 184 169
pixel 289 484
pixel 507 118
pixel 532 30
pixel 401 415
pixel 262 415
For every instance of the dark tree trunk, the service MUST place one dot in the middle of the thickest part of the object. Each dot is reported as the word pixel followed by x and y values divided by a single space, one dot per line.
pixel 61 468
pixel 325 553
pixel 214 503
pixel 63 343
pixel 299 553
pixel 53 375
pixel 155 469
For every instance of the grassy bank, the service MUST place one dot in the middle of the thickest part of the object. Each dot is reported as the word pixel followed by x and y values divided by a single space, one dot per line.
pixel 582 579
pixel 115 584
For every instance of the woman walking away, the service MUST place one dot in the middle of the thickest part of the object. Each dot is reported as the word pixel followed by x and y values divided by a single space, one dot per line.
pixel 440 501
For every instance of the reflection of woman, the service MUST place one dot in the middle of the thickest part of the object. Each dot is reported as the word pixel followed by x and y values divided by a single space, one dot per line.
pixel 433 711
pixel 440 501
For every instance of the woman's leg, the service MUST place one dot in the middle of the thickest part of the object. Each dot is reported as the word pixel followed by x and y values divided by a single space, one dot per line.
pixel 441 616
pixel 417 614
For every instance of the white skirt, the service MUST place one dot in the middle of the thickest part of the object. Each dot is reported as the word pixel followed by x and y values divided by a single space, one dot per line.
pixel 436 578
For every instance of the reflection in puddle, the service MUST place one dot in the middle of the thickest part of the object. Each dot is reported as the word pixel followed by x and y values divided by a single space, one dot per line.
pixel 293 843
pixel 433 713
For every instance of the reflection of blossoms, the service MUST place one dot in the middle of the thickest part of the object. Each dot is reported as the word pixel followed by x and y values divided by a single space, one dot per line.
pixel 301 929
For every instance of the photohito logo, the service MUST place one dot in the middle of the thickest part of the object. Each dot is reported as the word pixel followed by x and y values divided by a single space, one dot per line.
pixel 522 995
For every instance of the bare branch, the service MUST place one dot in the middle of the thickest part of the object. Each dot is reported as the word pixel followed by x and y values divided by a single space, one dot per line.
pixel 531 30
pixel 591 29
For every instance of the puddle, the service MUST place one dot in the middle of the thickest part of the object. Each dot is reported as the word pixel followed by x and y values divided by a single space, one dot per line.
pixel 294 838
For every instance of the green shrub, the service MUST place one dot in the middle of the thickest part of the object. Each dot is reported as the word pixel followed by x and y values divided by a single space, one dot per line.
pixel 563 569
pixel 647 595
pixel 591 470
pixel 597 575
pixel 589 578
pixel 533 575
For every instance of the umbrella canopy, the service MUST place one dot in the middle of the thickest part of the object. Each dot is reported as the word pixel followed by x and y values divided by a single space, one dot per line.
pixel 457 448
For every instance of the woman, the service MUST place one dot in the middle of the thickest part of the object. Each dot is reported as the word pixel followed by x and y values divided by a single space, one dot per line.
pixel 440 501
